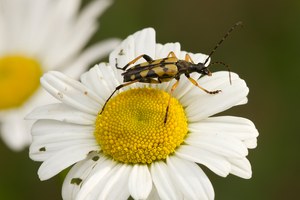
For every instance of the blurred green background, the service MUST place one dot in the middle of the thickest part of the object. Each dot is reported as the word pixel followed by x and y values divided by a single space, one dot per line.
pixel 265 53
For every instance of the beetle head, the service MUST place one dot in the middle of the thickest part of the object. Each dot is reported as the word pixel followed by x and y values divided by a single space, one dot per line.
pixel 202 70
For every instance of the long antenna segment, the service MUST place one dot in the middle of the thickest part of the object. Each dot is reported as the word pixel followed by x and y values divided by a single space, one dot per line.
pixel 222 40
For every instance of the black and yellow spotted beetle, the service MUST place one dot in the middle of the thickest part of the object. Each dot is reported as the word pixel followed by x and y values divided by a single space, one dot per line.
pixel 166 69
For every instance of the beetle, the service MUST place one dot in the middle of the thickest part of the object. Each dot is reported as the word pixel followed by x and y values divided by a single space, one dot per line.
pixel 168 68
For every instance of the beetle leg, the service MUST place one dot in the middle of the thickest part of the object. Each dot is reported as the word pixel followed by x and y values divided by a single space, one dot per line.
pixel 145 56
pixel 188 58
pixel 196 84
pixel 149 80
pixel 117 88
pixel 171 54
pixel 227 66
pixel 164 79
pixel 172 90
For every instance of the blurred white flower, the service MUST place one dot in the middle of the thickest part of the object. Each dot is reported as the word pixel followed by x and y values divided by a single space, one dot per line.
pixel 37 36
pixel 128 150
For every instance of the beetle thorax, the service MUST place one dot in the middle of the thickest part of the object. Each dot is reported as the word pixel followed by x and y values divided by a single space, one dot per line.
pixel 198 67
pixel 184 66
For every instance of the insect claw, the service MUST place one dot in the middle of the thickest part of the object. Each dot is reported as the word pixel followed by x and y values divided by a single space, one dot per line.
pixel 215 92
pixel 166 115
pixel 102 110
pixel 165 120
pixel 201 75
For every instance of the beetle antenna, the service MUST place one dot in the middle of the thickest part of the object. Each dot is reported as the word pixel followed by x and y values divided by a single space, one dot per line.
pixel 227 66
pixel 222 40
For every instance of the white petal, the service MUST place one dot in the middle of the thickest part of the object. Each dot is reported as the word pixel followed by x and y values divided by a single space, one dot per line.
pixel 140 182
pixel 162 51
pixel 45 147
pixel 116 187
pixel 183 88
pixel 102 80
pixel 67 8
pixel 45 127
pixel 141 42
pixel 100 173
pixel 201 105
pixel 190 178
pixel 42 152
pixel 145 42
pixel 36 20
pixel 71 92
pixel 251 143
pixel 62 112
pixel 227 146
pixel 237 127
pixel 50 136
pixel 2 35
pixel 69 43
pixel 39 98
pixel 94 10
pixel 54 29
pixel 89 56
pixel 78 173
pixel 153 194
pixel 12 12
pixel 15 131
pixel 217 164
pixel 70 46
pixel 122 55
pixel 163 182
pixel 70 8
pixel 64 159
pixel 241 167
pixel 109 181
pixel 244 101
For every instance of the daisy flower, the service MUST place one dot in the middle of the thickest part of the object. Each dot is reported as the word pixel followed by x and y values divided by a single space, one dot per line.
pixel 128 150
pixel 37 36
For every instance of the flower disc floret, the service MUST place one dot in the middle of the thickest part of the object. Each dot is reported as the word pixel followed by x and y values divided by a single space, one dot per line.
pixel 131 128
pixel 19 79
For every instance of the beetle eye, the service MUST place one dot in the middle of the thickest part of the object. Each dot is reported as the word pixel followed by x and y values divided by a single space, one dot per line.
pixel 206 72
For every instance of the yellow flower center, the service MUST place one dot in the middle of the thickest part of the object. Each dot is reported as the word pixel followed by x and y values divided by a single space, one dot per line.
pixel 19 79
pixel 131 128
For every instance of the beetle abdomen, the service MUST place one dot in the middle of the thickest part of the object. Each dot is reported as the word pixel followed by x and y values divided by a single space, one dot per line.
pixel 161 70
